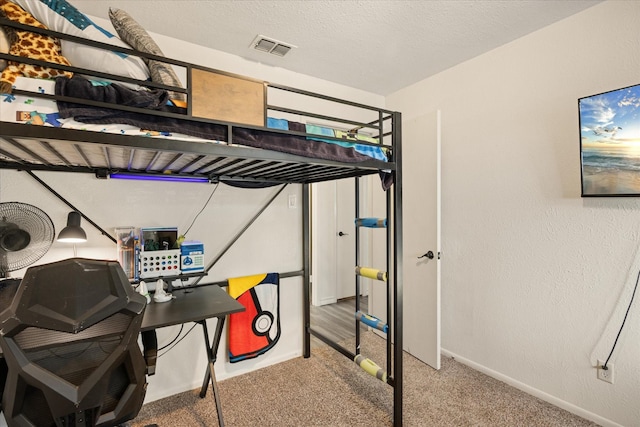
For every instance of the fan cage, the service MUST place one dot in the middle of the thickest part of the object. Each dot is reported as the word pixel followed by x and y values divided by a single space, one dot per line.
pixel 33 221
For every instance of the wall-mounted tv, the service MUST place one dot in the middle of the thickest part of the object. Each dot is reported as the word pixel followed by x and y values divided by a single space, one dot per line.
pixel 610 143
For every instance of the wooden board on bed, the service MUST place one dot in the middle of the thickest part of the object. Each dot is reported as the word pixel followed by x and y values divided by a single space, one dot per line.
pixel 223 97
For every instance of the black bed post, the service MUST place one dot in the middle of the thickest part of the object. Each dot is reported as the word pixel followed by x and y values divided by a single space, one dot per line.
pixel 306 267
pixel 397 270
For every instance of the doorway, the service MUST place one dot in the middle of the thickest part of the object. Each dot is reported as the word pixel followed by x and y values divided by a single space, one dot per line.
pixel 333 238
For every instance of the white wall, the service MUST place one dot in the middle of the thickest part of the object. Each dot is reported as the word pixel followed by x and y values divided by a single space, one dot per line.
pixel 272 243
pixel 536 279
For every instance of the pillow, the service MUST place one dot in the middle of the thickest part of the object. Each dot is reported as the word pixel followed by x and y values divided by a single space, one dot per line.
pixel 4 48
pixel 137 37
pixel 61 16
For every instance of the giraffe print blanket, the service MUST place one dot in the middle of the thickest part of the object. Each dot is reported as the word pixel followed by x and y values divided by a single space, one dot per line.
pixel 30 45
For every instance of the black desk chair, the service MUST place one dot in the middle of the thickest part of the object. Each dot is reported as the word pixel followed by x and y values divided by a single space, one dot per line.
pixel 8 288
pixel 70 345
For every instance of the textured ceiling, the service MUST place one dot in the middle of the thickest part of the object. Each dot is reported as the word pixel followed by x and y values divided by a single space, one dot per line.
pixel 376 45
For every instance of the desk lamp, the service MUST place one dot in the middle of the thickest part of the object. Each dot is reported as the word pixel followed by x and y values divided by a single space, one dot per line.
pixel 72 233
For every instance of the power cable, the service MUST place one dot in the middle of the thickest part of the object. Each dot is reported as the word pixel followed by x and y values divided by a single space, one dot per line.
pixel 604 366
pixel 176 340
pixel 203 207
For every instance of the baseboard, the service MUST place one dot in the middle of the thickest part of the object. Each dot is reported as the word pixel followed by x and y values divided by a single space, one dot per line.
pixel 327 300
pixel 533 391
pixel 267 362
pixel 154 394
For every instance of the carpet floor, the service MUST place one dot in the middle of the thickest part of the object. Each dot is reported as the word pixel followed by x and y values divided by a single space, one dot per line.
pixel 327 389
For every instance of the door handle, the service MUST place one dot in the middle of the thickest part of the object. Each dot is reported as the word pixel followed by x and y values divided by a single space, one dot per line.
pixel 340 233
pixel 427 255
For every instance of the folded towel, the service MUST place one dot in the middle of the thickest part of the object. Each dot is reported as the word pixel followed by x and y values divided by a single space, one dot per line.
pixel 377 153
pixel 273 123
pixel 257 329
pixel 320 130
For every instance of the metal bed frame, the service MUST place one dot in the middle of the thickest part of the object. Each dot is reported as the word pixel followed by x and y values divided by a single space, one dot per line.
pixel 34 148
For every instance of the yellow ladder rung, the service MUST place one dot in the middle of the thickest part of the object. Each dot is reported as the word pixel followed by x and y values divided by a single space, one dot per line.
pixel 371 273
pixel 370 367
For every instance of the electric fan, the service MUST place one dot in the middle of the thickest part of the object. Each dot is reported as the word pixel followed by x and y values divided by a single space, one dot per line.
pixel 26 234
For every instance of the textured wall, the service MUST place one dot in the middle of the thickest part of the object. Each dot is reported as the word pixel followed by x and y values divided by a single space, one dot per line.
pixel 536 279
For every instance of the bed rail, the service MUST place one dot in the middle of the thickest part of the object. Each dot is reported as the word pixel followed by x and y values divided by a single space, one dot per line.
pixel 29 147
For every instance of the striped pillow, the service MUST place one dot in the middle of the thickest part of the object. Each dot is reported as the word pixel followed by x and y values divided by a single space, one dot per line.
pixel 137 37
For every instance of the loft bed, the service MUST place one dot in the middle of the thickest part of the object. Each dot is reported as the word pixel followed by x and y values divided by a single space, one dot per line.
pixel 218 127
pixel 228 114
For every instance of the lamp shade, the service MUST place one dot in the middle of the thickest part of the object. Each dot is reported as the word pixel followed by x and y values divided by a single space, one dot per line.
pixel 72 233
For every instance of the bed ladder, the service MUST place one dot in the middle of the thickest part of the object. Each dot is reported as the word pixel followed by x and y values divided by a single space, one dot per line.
pixel 390 372
pixel 391 276
pixel 368 365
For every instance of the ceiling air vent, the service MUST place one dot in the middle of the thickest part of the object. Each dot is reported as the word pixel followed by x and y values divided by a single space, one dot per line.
pixel 269 45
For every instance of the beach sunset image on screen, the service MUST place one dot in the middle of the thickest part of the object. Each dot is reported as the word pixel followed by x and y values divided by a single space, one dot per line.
pixel 610 143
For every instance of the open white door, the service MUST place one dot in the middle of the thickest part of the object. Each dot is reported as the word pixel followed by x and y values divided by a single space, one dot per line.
pixel 421 235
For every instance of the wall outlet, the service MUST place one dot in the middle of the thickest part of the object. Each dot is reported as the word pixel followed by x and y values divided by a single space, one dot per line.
pixel 605 374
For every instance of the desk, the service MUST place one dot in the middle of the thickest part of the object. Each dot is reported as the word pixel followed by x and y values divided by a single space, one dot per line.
pixel 196 305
